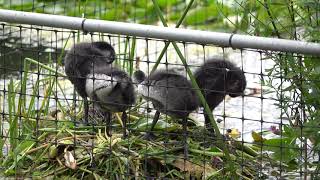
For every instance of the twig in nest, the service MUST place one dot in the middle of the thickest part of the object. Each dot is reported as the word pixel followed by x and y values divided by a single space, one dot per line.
pixel 59 162
pixel 37 148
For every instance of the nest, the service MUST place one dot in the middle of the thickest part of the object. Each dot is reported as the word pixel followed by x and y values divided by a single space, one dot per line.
pixel 64 148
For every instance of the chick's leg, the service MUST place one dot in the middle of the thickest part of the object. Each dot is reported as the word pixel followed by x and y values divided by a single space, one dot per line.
pixel 185 136
pixel 149 134
pixel 86 110
pixel 107 119
pixel 124 118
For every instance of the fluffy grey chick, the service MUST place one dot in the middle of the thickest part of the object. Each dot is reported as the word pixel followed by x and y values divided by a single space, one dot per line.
pixel 111 90
pixel 170 93
pixel 82 59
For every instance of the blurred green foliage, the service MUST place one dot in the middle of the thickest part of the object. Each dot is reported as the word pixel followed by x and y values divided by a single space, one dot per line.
pixel 294 78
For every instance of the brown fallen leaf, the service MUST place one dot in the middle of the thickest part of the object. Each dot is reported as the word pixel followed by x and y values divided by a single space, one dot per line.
pixel 194 169
pixel 70 161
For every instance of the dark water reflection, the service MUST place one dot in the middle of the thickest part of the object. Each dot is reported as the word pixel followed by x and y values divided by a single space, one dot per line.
pixel 13 53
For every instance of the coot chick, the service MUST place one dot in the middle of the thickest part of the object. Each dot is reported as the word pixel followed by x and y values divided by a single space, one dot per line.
pixel 170 93
pixel 111 90
pixel 216 79
pixel 82 59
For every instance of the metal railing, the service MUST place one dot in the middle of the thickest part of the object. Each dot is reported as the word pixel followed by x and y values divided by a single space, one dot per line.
pixel 158 32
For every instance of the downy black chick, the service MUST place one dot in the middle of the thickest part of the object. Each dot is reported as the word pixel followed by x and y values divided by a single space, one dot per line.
pixel 81 60
pixel 216 79
pixel 89 68
pixel 170 93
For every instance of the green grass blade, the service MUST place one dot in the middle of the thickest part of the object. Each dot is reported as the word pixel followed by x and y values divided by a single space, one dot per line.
pixel 2 140
pixel 131 55
pixel 118 57
pixel 28 125
pixel 168 43
pixel 45 67
pixel 46 97
pixel 22 98
pixel 59 61
pixel 13 123
pixel 124 60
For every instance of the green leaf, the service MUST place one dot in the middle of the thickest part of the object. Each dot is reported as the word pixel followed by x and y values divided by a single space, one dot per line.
pixel 115 14
pixel 311 128
pixel 144 124
pixel 24 146
pixel 244 23
pixel 138 12
pixel 289 132
pixel 17 154
pixel 284 149
pixel 140 4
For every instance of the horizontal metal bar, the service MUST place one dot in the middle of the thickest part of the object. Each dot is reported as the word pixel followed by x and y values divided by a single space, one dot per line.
pixel 172 34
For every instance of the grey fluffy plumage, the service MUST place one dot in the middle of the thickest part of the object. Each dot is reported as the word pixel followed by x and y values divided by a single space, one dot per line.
pixel 89 67
pixel 111 89
pixel 82 58
pixel 171 94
